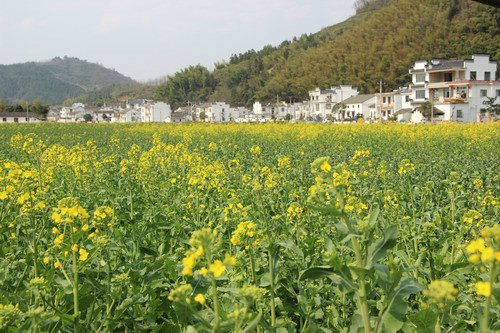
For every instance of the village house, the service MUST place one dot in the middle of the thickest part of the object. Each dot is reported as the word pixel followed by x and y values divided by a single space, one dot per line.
pixel 157 112
pixel 127 116
pixel 322 101
pixel 73 113
pixel 20 117
pixel 357 106
pixel 456 88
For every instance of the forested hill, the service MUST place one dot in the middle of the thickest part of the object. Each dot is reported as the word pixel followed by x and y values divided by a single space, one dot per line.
pixel 380 42
pixel 55 80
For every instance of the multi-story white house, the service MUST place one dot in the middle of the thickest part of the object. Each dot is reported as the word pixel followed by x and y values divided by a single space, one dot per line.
pixel 127 116
pixel 155 113
pixel 220 112
pixel 73 113
pixel 322 101
pixel 136 103
pixel 457 88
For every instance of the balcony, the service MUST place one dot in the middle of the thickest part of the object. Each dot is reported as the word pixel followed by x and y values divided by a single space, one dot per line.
pixel 456 100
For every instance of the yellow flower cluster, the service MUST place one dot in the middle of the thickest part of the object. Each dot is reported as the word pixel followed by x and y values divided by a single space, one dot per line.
pixel 441 291
pixel 406 166
pixel 200 241
pixel 294 212
pixel 483 248
pixel 355 204
pixel 246 234
pixel 68 210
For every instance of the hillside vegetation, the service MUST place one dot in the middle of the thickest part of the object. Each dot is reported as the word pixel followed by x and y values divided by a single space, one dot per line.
pixel 55 80
pixel 380 42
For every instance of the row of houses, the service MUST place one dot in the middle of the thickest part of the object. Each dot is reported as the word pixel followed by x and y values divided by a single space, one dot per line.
pixel 456 90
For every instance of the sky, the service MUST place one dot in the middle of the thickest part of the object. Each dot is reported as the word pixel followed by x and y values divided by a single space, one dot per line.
pixel 148 39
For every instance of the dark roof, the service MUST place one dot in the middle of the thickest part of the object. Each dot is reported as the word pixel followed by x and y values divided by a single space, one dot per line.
pixel 403 111
pixel 178 115
pixel 135 101
pixel 446 64
pixel 358 99
pixel 328 91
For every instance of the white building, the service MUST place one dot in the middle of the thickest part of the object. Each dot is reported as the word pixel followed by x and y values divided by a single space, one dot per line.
pixel 323 101
pixel 20 117
pixel 136 103
pixel 357 106
pixel 73 113
pixel 157 112
pixel 127 116
pixel 457 88
pixel 221 112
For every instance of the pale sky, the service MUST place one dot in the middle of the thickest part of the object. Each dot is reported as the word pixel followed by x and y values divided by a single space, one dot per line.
pixel 147 39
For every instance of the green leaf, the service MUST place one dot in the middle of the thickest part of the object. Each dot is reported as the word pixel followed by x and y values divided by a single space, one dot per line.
pixel 328 210
pixel 319 272
pixel 253 324
pixel 424 320
pixel 290 245
pixel 379 249
pixel 393 318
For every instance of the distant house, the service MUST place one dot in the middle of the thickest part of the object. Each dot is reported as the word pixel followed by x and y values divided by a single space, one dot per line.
pixel 136 103
pixel 456 87
pixel 157 112
pixel 355 106
pixel 20 117
pixel 322 102
pixel 179 116
pixel 127 116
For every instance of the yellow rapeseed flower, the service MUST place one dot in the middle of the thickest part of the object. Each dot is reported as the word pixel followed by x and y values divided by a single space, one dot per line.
pixel 83 254
pixel 200 299
pixel 74 248
pixel 230 261
pixel 483 288
pixel 217 268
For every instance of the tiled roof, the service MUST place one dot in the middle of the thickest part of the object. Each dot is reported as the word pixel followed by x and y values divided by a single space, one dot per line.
pixel 358 99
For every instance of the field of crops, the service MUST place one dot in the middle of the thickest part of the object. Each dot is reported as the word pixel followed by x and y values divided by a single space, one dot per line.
pixel 249 228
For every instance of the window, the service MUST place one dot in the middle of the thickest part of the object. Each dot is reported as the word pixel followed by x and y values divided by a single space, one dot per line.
pixel 389 100
pixel 460 114
pixel 419 77
pixel 407 99
pixel 383 100
pixel 483 93
pixel 4 120
pixel 446 93
pixel 448 77
pixel 328 106
pixel 473 76
pixel 420 94
pixel 487 76
pixel 498 92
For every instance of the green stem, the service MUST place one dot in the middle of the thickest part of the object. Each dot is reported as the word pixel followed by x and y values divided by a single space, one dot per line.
pixel 252 265
pixel 363 304
pixel 75 290
pixel 273 305
pixel 216 305
pixel 486 314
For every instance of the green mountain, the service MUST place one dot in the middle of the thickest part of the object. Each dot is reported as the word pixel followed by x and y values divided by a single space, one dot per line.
pixel 380 42
pixel 56 80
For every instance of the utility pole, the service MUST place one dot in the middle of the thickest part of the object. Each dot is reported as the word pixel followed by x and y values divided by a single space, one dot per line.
pixel 380 103
pixel 432 106
pixel 27 112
